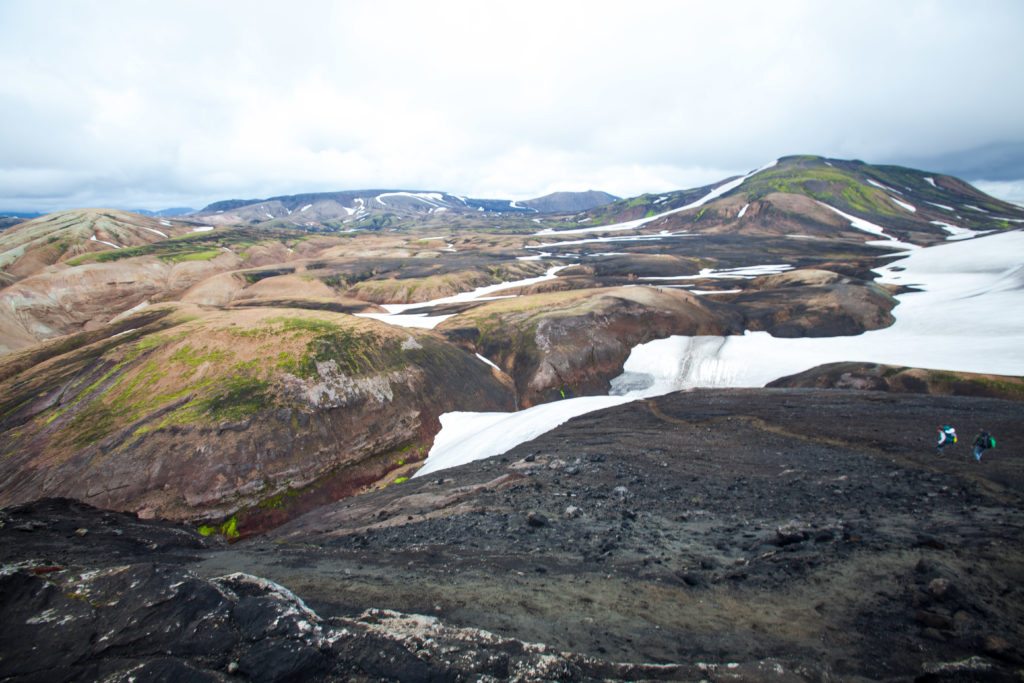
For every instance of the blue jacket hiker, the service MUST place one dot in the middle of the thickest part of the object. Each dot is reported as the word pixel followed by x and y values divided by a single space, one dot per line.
pixel 983 441
pixel 947 437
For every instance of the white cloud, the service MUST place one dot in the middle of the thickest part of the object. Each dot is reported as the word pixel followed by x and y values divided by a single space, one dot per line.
pixel 1007 190
pixel 113 102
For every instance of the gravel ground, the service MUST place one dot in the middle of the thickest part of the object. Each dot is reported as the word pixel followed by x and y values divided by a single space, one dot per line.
pixel 785 534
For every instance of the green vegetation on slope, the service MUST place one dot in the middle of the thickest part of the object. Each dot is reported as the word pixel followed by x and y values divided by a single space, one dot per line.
pixel 812 177
pixel 200 246
pixel 354 352
pixel 181 377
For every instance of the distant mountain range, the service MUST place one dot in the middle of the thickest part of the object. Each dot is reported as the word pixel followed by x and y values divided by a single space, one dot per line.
pixel 379 208
pixel 165 213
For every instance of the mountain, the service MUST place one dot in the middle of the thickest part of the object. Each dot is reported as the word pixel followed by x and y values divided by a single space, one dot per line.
pixel 569 202
pixel 383 208
pixel 10 221
pixel 166 213
pixel 33 245
pixel 798 194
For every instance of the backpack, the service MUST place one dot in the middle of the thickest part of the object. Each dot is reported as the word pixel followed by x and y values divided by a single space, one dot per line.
pixel 950 434
pixel 991 442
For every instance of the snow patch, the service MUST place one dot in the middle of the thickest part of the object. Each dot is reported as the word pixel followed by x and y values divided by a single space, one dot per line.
pixel 958 233
pixel 930 181
pixel 908 207
pixel 309 206
pixel 975 208
pixel 203 228
pixel 883 187
pixel 871 228
pixel 157 232
pixel 744 273
pixel 465 437
pixel 109 244
pixel 489 362
pixel 165 223
pixel 743 211
pixel 134 309
pixel 941 206
pixel 432 198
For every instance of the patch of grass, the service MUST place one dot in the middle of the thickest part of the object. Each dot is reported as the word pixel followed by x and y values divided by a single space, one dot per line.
pixel 228 529
pixel 353 352
pixel 93 423
pixel 205 255
pixel 186 355
pixel 314 325
pixel 278 501
pixel 236 397
pixel 642 200
pixel 1004 387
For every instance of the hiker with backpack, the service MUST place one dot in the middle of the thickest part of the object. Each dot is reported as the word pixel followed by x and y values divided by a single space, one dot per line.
pixel 947 437
pixel 982 442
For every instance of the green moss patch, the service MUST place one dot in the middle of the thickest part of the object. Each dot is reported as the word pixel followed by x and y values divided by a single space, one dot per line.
pixel 827 184
pixel 235 398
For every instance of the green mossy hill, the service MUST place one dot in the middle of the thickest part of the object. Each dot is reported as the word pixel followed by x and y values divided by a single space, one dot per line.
pixel 184 369
pixel 824 181
pixel 905 380
pixel 874 192
pixel 65 235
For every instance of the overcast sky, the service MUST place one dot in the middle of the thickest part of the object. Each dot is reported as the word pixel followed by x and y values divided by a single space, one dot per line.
pixel 158 104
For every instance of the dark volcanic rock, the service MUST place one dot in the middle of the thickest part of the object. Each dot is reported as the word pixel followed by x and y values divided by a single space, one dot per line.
pixel 719 526
pixel 724 535
pixel 145 620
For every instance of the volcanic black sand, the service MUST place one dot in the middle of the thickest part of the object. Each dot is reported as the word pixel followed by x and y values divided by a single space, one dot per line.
pixel 781 534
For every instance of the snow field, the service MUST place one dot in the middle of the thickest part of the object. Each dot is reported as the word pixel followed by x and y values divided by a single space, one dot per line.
pixel 958 321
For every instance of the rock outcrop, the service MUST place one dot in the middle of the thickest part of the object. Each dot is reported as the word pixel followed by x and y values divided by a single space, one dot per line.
pixel 875 377
pixel 573 343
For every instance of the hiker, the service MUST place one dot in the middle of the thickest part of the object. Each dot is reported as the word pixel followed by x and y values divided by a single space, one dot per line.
pixel 947 437
pixel 983 441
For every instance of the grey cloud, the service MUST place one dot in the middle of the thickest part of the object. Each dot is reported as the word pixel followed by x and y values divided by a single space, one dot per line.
pixel 994 161
pixel 196 101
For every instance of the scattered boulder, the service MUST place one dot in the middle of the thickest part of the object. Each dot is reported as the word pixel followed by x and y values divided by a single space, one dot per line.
pixel 536 519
